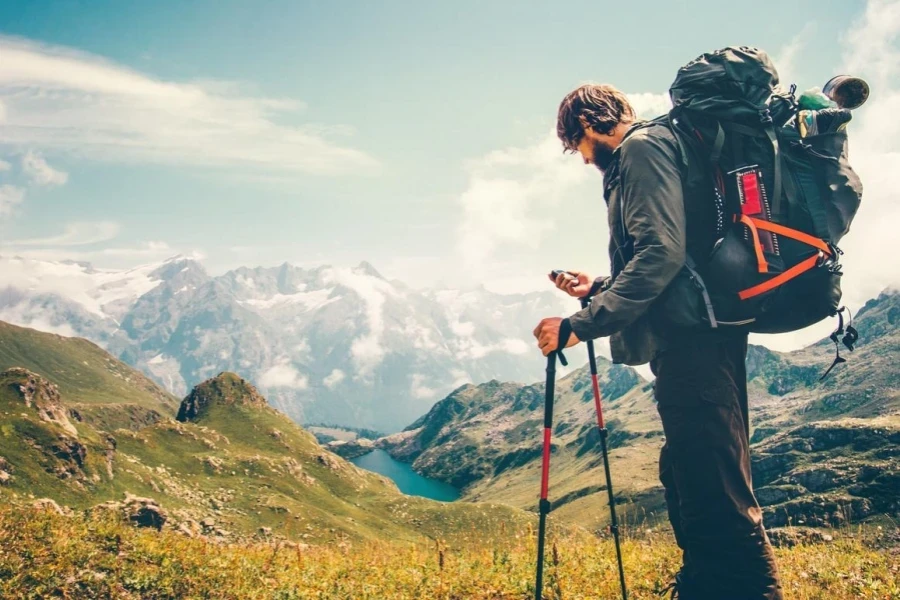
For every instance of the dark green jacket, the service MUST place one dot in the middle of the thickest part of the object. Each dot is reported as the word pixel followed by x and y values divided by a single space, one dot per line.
pixel 647 245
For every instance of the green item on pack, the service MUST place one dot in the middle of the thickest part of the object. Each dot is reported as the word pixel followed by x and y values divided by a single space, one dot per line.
pixel 814 99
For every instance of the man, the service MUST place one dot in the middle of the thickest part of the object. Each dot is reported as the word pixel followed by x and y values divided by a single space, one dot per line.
pixel 701 381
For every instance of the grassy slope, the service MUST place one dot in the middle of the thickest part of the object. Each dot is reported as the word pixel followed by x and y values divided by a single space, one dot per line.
pixel 244 466
pixel 91 380
pixel 48 556
pixel 489 441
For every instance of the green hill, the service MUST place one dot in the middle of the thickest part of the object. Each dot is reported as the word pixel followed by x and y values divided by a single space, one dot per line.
pixel 486 440
pixel 102 389
pixel 231 466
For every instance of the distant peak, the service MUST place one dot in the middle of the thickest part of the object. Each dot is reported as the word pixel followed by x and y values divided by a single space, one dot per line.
pixel 225 389
pixel 366 268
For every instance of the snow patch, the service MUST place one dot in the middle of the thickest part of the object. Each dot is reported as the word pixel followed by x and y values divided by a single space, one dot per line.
pixel 367 350
pixel 307 300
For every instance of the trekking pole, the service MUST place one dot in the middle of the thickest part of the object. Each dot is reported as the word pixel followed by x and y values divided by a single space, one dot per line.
pixel 614 525
pixel 544 505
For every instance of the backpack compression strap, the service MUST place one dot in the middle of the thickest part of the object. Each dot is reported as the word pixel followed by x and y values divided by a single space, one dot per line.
pixel 796 270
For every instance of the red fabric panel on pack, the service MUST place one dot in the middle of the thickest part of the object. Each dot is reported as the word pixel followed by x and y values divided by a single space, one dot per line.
pixel 750 186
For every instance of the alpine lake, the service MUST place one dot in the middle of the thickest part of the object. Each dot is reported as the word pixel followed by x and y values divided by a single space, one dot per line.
pixel 409 482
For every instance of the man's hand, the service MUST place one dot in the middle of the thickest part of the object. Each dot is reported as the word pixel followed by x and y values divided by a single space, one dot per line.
pixel 575 283
pixel 547 334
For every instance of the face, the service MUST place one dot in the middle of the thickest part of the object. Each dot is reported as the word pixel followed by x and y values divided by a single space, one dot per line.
pixel 596 150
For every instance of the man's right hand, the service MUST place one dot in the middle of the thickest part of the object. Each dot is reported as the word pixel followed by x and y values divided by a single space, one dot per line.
pixel 575 283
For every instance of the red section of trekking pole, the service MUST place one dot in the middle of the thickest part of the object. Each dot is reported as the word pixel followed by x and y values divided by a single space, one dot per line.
pixel 545 466
pixel 613 522
pixel 544 504
pixel 596 387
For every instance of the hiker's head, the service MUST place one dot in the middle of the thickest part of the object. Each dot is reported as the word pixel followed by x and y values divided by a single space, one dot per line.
pixel 592 120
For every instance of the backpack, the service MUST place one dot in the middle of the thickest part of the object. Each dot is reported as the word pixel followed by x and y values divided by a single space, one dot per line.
pixel 782 200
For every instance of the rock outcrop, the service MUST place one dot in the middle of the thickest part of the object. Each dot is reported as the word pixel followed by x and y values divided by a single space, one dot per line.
pixel 224 389
pixel 141 512
pixel 40 395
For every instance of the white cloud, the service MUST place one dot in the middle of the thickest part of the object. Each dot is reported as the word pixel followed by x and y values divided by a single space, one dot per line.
pixel 5 166
pixel 111 257
pixel 74 234
pixel 419 390
pixel 513 194
pixel 787 56
pixel 333 379
pixel 283 375
pixel 460 378
pixel 10 197
pixel 871 51
pixel 511 197
pixel 648 105
pixel 58 98
pixel 39 172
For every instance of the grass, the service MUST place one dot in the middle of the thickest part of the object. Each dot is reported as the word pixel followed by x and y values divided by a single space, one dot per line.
pixel 88 377
pixel 45 555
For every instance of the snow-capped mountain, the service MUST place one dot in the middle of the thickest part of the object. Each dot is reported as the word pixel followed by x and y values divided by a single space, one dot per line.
pixel 329 344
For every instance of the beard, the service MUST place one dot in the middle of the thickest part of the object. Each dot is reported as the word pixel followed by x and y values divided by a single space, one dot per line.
pixel 603 157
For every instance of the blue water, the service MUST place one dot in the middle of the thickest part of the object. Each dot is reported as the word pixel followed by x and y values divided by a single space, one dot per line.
pixel 406 479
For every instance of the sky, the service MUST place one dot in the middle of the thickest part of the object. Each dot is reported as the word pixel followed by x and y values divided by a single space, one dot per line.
pixel 417 136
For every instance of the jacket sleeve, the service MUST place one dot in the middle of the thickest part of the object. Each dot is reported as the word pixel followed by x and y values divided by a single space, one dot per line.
pixel 652 206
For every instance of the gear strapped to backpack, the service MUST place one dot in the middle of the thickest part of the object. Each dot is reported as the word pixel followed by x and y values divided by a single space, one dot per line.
pixel 783 192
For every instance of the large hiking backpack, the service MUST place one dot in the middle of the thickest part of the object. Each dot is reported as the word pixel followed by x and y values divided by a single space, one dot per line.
pixel 782 201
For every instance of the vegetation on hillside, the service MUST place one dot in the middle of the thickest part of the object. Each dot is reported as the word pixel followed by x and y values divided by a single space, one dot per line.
pixel 43 554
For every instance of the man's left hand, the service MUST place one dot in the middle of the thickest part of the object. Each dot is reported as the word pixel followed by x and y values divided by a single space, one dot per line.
pixel 547 334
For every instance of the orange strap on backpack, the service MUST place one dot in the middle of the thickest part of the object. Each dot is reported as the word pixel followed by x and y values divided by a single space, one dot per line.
pixel 754 225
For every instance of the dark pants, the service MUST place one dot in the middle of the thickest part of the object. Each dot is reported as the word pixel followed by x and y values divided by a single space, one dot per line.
pixel 701 394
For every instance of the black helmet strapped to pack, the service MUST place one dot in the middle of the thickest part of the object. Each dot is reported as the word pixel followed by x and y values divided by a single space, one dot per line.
pixel 775 170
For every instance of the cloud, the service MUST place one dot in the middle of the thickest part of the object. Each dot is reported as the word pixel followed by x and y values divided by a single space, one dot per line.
pixel 10 197
pixel 513 194
pixel 5 166
pixel 76 234
pixel 648 105
pixel 419 390
pixel 871 51
pixel 786 58
pixel 511 197
pixel 112 257
pixel 333 379
pixel 57 98
pixel 39 172
pixel 283 375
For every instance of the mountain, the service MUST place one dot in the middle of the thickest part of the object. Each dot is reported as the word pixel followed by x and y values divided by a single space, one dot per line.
pixel 101 390
pixel 230 465
pixel 334 345
pixel 486 438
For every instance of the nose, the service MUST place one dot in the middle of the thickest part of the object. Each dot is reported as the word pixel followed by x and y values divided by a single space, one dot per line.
pixel 586 161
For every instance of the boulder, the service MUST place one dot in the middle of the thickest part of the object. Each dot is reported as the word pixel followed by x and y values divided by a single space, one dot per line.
pixel 51 505
pixel 788 537
pixel 144 512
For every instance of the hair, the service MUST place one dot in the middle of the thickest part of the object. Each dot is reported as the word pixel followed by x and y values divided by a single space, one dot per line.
pixel 596 105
